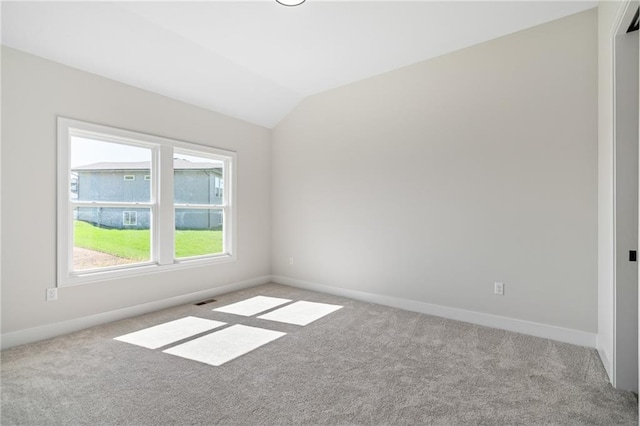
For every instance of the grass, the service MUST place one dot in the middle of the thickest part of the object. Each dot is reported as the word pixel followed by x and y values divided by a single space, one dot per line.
pixel 135 243
pixel 196 243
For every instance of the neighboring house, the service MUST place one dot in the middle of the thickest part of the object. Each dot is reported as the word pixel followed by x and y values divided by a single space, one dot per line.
pixel 194 183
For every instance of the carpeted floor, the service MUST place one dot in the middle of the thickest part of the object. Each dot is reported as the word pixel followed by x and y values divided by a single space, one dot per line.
pixel 363 364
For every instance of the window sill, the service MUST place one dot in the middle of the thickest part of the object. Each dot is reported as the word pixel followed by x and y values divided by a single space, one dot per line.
pixel 142 269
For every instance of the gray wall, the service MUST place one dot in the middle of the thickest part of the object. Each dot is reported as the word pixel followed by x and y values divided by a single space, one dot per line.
pixel 34 92
pixel 485 169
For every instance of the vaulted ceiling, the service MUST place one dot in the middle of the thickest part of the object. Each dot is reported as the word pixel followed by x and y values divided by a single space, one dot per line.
pixel 257 60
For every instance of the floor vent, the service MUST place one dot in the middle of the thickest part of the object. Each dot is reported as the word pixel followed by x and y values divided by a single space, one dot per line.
pixel 204 302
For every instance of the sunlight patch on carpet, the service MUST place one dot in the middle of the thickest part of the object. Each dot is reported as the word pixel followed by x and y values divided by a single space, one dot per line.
pixel 170 332
pixel 252 306
pixel 225 345
pixel 301 313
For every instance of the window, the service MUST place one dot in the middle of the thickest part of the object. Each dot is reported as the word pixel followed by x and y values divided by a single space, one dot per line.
pixel 73 186
pixel 111 224
pixel 129 218
pixel 198 208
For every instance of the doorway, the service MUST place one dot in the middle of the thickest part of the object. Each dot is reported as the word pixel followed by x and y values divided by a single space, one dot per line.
pixel 626 319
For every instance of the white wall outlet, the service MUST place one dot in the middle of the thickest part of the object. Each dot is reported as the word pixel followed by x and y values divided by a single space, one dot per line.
pixel 52 294
pixel 498 288
pixel 291 261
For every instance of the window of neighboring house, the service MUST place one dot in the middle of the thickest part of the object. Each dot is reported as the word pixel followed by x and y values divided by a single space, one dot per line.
pixel 129 218
pixel 107 229
pixel 73 187
pixel 218 186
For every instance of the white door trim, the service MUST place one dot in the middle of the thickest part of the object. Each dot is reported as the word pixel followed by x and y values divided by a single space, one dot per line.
pixel 621 23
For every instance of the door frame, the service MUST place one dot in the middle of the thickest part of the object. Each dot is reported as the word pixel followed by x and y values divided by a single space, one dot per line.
pixel 621 24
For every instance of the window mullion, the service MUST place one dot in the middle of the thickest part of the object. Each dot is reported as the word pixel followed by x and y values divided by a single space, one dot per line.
pixel 109 204
pixel 164 244
pixel 199 206
pixel 229 236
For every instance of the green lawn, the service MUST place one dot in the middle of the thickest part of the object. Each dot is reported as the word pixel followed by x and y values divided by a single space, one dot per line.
pixel 197 243
pixel 134 244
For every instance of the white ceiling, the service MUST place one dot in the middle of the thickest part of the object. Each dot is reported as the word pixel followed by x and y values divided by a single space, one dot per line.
pixel 257 60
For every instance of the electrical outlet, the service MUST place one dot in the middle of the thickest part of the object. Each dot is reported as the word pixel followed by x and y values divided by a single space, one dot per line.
pixel 52 294
pixel 498 288
pixel 291 261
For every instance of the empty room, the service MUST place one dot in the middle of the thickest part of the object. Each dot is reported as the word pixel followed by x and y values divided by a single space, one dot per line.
pixel 319 212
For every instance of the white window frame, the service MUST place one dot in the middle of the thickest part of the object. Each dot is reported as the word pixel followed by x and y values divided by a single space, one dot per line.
pixel 162 228
pixel 223 207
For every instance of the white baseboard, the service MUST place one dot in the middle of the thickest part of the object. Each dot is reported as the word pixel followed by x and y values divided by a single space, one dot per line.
pixel 560 334
pixel 505 323
pixel 606 361
pixel 29 335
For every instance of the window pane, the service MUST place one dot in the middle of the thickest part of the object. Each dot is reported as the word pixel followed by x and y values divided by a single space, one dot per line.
pixel 105 171
pixel 105 237
pixel 198 232
pixel 197 180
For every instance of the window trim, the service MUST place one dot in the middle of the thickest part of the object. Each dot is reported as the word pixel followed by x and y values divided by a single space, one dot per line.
pixel 163 226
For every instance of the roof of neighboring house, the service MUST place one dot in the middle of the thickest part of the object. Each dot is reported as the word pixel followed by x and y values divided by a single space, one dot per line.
pixel 178 164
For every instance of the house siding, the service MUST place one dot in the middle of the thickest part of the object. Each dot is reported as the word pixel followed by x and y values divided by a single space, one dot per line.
pixel 191 187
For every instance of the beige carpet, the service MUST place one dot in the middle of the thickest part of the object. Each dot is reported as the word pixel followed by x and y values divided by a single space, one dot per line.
pixel 362 364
